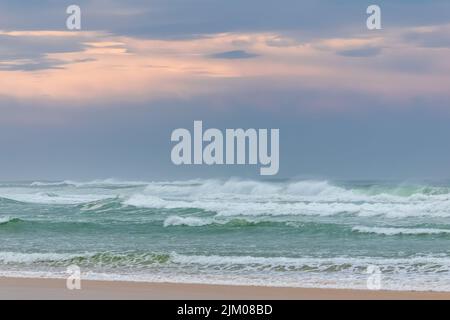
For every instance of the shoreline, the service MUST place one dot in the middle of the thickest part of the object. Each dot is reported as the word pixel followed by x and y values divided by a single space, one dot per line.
pixel 49 289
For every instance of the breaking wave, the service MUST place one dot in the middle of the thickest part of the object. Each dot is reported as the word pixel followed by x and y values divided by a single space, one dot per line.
pixel 424 264
pixel 388 231
pixel 8 220
pixel 94 183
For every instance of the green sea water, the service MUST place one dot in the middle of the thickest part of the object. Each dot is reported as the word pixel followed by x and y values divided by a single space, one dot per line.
pixel 284 233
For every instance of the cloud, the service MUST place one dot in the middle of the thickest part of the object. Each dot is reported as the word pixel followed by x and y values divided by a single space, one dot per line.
pixel 361 52
pixel 234 54
pixel 187 19
pixel 27 46
pixel 38 64
pixel 139 70
pixel 31 50
pixel 430 37
pixel 279 41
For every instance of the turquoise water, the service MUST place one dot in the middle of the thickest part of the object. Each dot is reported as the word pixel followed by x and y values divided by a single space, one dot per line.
pixel 289 233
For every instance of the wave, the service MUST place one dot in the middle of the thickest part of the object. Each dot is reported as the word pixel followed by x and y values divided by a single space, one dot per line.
pixel 7 201
pixel 9 220
pixel 252 207
pixel 423 264
pixel 247 197
pixel 79 224
pixel 93 183
pixel 236 186
pixel 148 201
pixel 53 198
pixel 388 231
pixel 102 205
pixel 187 221
pixel 27 258
pixel 316 264
pixel 201 222
pixel 50 184
pixel 306 227
pixel 299 190
pixel 151 219
pixel 109 259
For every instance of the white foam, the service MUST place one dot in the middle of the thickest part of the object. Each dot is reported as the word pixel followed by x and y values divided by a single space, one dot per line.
pixel 399 265
pixel 399 231
pixel 53 198
pixel 247 188
pixel 307 190
pixel 18 257
pixel 419 263
pixel 47 184
pixel 146 201
pixel 5 219
pixel 186 221
pixel 93 183
pixel 268 207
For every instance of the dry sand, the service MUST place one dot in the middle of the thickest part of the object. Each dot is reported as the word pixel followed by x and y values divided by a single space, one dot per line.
pixel 19 288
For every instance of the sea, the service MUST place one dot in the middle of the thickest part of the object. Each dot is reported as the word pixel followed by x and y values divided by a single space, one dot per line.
pixel 289 233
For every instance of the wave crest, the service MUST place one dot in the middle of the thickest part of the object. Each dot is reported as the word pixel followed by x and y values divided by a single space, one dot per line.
pixel 9 220
pixel 391 231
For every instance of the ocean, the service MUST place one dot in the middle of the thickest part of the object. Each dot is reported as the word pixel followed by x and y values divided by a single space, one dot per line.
pixel 300 233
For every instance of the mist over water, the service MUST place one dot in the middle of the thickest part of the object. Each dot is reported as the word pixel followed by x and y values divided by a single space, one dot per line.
pixel 286 233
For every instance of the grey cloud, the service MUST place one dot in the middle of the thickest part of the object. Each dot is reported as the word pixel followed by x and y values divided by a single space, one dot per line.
pixel 27 47
pixel 413 64
pixel 235 54
pixel 27 53
pixel 191 18
pixel 439 38
pixel 364 52
pixel 40 64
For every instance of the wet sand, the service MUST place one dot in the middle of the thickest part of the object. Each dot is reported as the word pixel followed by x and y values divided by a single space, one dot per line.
pixel 21 288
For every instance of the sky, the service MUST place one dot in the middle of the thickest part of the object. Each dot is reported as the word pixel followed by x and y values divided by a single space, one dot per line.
pixel 350 103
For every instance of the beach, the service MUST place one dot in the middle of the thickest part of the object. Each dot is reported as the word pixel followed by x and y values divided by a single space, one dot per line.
pixel 23 288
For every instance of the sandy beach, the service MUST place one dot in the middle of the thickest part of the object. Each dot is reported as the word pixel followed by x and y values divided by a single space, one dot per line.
pixel 21 288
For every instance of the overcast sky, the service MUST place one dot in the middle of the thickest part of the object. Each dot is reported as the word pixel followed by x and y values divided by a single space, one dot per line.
pixel 102 102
